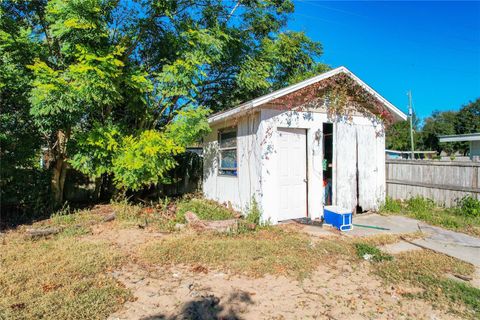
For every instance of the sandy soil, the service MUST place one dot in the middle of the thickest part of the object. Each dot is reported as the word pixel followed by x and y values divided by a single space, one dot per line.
pixel 194 292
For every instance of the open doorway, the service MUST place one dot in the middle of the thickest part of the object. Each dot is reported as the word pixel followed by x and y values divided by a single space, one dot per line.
pixel 327 162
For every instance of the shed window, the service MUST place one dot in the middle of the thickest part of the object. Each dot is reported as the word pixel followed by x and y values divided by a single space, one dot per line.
pixel 228 152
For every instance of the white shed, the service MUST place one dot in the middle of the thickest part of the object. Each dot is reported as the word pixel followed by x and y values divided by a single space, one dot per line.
pixel 288 151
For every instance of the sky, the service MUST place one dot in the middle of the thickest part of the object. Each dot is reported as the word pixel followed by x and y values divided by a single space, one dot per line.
pixel 430 48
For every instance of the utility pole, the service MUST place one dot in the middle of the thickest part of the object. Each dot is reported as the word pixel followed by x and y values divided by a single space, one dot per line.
pixel 410 113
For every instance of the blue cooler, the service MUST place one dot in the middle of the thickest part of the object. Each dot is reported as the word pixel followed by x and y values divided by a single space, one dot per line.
pixel 338 217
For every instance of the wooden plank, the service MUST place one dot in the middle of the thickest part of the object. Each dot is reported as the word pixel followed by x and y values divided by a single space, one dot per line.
pixel 435 163
pixel 434 186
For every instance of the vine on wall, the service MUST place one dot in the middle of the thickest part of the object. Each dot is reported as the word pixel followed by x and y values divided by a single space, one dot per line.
pixel 340 96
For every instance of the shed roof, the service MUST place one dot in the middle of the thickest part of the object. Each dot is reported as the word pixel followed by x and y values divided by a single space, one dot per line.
pixel 460 137
pixel 246 106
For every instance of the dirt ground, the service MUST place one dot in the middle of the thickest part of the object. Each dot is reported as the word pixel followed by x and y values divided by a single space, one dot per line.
pixel 194 292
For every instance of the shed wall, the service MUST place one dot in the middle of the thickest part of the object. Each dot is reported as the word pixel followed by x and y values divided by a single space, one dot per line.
pixel 347 135
pixel 240 189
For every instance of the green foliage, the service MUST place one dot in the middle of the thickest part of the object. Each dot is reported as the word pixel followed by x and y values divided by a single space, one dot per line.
pixel 204 209
pixel 118 89
pixel 469 206
pixel 419 204
pixel 398 135
pixel 440 123
pixel 467 120
pixel 391 205
pixel 94 150
pixel 253 213
pixel 463 218
pixel 188 126
pixel 144 160
pixel 365 250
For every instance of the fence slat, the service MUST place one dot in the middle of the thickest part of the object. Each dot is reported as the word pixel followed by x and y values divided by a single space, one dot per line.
pixel 442 181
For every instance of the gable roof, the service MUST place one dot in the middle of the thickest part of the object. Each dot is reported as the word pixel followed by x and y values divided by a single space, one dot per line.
pixel 249 105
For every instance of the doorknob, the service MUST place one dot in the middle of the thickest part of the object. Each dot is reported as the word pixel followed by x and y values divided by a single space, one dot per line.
pixel 305 180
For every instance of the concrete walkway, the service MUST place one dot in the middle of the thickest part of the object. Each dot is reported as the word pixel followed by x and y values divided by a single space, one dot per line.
pixel 454 244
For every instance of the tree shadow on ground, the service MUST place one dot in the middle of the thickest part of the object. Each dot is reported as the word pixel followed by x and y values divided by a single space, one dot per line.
pixel 210 307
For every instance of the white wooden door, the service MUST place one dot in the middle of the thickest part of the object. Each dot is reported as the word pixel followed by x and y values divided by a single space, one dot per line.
pixel 292 173
pixel 345 166
pixel 367 167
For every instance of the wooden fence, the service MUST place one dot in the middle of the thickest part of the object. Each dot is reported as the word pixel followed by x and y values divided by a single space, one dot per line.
pixel 442 181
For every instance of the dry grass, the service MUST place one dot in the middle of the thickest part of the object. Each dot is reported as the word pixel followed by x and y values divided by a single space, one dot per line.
pixel 267 251
pixel 57 278
pixel 427 270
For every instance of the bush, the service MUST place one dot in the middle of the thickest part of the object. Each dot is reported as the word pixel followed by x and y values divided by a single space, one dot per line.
pixel 204 209
pixel 391 205
pixel 469 206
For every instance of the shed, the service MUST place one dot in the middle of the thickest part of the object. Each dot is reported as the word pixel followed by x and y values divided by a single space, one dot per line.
pixel 293 155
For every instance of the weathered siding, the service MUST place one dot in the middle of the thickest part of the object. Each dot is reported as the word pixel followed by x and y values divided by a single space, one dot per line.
pixel 371 157
pixel 240 189
pixel 444 182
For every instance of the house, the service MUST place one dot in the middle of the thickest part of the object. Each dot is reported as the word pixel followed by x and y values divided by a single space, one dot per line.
pixel 290 152
pixel 472 138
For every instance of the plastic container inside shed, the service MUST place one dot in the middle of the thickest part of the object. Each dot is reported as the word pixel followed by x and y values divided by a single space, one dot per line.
pixel 338 217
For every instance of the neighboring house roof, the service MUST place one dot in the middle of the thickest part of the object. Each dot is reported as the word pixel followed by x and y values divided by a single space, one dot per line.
pixel 460 137
pixel 244 107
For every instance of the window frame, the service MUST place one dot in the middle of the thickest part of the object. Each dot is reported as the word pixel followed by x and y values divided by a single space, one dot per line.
pixel 221 171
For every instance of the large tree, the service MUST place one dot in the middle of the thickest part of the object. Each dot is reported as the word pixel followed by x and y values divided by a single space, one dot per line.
pixel 398 135
pixel 119 88
pixel 468 118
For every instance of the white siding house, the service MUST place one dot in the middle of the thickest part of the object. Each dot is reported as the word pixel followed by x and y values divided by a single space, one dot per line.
pixel 295 161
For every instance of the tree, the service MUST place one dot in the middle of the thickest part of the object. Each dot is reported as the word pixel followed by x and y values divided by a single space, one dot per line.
pixel 440 123
pixel 398 135
pixel 468 118
pixel 120 87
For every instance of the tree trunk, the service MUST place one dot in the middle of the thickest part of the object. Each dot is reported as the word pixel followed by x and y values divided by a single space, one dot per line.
pixel 59 168
pixel 58 181
pixel 98 188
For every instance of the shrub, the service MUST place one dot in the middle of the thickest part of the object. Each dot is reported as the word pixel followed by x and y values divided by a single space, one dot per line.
pixel 204 209
pixel 469 206
pixel 391 205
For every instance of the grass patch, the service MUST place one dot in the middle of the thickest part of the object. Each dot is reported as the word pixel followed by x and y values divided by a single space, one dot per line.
pixel 59 278
pixel 369 252
pixel 158 216
pixel 427 270
pixel 457 219
pixel 267 251
pixel 164 215
pixel 204 209
pixel 71 223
